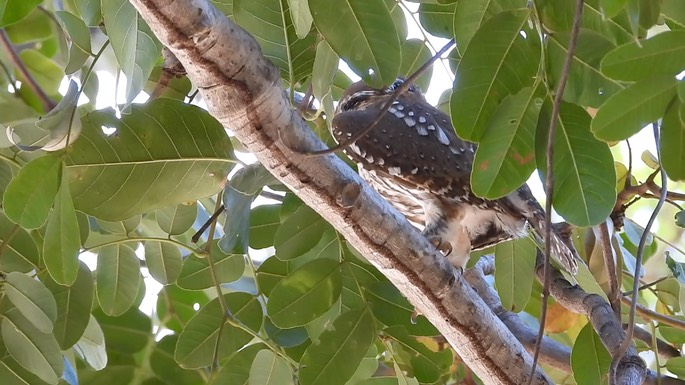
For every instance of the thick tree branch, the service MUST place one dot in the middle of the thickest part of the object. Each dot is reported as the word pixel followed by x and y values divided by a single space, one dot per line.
pixel 630 368
pixel 242 91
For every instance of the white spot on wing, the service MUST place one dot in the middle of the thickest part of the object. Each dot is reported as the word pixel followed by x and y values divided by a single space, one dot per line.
pixel 410 121
pixel 395 171
pixel 422 119
pixel 421 130
pixel 442 137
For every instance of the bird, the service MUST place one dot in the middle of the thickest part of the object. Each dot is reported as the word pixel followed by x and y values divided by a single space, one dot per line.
pixel 415 160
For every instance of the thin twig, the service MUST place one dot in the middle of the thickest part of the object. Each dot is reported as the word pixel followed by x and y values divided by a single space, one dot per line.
pixel 610 264
pixel 647 285
pixel 226 313
pixel 210 221
pixel 47 103
pixel 656 316
pixel 396 94
pixel 549 179
pixel 640 252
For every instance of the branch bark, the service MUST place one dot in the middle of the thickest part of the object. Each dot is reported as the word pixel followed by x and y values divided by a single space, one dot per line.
pixel 242 91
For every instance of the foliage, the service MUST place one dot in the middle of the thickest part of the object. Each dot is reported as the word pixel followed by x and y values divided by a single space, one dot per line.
pixel 297 302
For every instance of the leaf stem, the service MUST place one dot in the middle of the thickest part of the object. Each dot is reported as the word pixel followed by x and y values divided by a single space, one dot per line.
pixel 145 239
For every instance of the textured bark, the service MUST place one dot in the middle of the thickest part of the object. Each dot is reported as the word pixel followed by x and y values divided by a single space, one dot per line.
pixel 241 89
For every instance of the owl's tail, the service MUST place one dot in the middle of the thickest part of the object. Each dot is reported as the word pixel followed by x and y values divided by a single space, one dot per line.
pixel 562 251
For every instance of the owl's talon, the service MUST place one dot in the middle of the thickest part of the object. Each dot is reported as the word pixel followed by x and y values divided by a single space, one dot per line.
pixel 443 247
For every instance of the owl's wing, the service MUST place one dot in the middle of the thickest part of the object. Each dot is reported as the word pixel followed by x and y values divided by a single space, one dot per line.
pixel 414 143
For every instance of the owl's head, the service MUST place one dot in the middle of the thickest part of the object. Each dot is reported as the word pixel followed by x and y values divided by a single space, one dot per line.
pixel 359 95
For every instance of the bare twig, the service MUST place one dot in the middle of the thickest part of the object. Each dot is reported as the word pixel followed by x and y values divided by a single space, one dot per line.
pixel 210 222
pixel 549 179
pixel 6 44
pixel 641 247
pixel 652 315
pixel 399 91
pixel 610 263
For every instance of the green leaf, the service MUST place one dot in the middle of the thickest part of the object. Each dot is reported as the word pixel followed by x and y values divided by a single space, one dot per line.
pixel 196 274
pixel 470 15
pixel 91 346
pixel 590 360
pixel 672 141
pixel 21 253
pixel 436 19
pixel 36 351
pixel 176 306
pixel 73 306
pixel 238 197
pixel 515 272
pixel 586 85
pixel 305 294
pixel 555 16
pixel 340 350
pixel 369 40
pixel 505 157
pixel 428 365
pixel 33 300
pixel 286 338
pixel 13 374
pixel 301 16
pixel 680 218
pixel 502 63
pixel 271 24
pixel 585 188
pixel 270 369
pixel 264 223
pixel 612 7
pixel 676 365
pixel 34 28
pixel 299 233
pixel 270 272
pixel 663 54
pixel 125 227
pixel 164 261
pixel 14 10
pixel 62 241
pixel 236 369
pixel 392 309
pixel 77 30
pixel 135 47
pixel 197 342
pixel 674 12
pixel 128 333
pixel 415 53
pixel 177 219
pixel 629 110
pixel 163 153
pixel 29 196
pixel 166 369
pixel 45 71
pixel 325 68
pixel 90 11
pixel 118 279
pixel 367 368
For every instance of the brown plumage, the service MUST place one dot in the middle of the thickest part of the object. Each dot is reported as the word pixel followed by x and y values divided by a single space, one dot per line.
pixel 415 160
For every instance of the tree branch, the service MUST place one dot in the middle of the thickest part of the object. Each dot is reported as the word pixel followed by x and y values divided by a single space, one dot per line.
pixel 241 89
pixel 630 368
